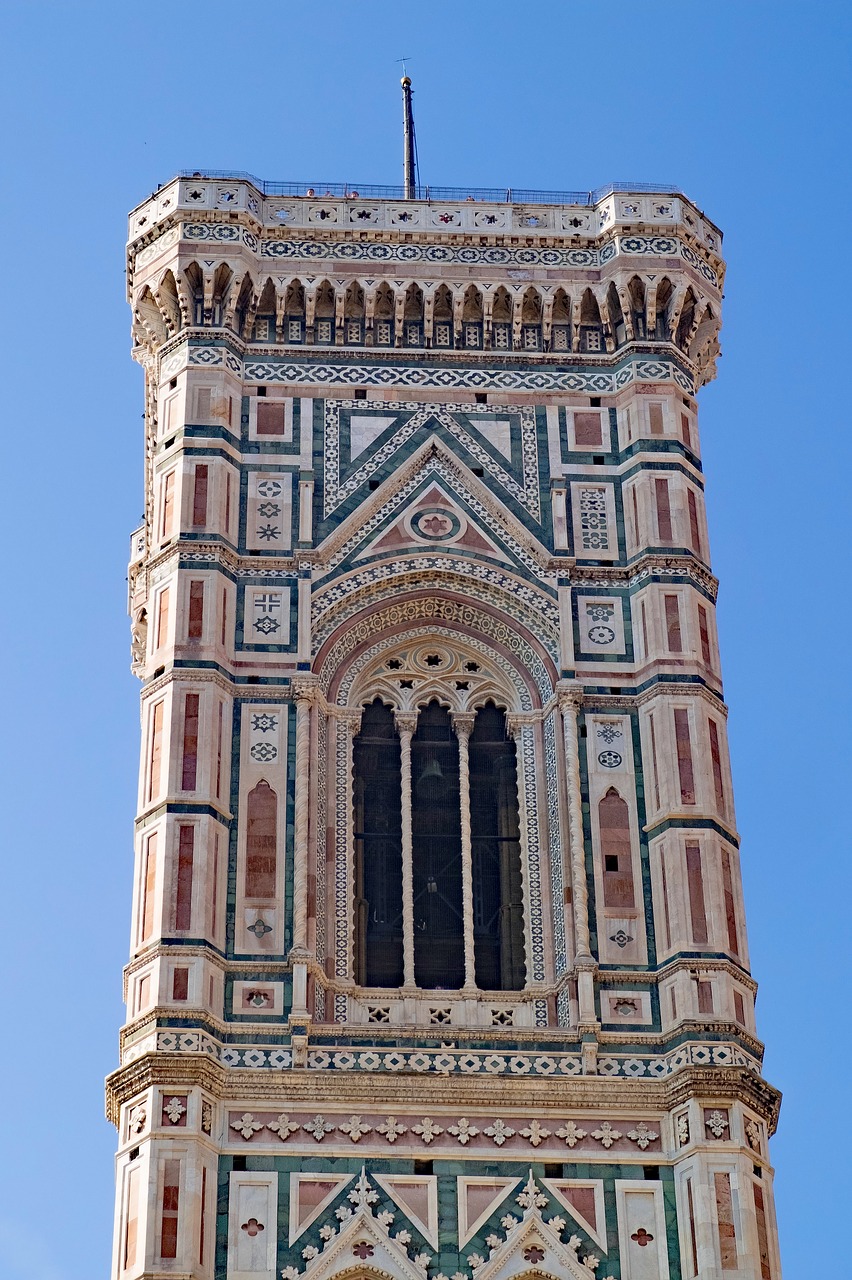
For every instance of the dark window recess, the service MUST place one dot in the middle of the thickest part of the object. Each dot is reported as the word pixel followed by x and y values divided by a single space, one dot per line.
pixel 755 1168
pixel 423 1167
pixel 595 402
pixel 498 928
pixel 584 731
pixel 480 397
pixel 360 393
pixel 261 391
pixel 378 850
pixel 173 384
pixel 552 1169
pixel 134 1153
pixel 158 671
pixel 478 471
pixel 610 862
pixel 598 459
pixel 168 444
pixel 374 483
pixel 239 1164
pixel 436 852
pixel 651 1172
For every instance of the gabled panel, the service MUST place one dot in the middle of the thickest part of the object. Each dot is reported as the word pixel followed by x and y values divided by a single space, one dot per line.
pixel 477 1199
pixel 417 1196
pixel 310 1195
pixel 584 1200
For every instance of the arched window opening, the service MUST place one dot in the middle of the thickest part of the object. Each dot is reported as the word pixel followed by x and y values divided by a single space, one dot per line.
pixel 436 851
pixel 378 850
pixel 663 305
pixel 264 321
pixel 168 296
pixel 261 839
pixel 384 315
pixel 614 819
pixel 353 314
pixel 501 320
pixel 472 317
pixel 498 928
pixel 686 320
pixel 560 332
pixel 531 320
pixel 294 312
pixel 413 316
pixel 615 316
pixel 636 290
pixel 442 317
pixel 242 305
pixel 324 308
pixel 195 287
pixel 591 329
pixel 221 290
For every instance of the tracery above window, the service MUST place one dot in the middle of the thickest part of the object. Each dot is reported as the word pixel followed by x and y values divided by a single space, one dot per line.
pixel 407 677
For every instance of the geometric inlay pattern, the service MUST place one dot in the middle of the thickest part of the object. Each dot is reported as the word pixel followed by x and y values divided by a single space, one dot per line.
pixel 459 423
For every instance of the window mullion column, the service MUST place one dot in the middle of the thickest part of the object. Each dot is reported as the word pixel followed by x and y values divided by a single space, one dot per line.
pixel 570 699
pixel 463 724
pixel 406 724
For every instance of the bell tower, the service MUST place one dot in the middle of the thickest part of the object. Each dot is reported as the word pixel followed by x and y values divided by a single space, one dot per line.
pixel 438 964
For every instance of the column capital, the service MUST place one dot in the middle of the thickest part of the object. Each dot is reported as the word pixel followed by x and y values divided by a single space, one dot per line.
pixel 305 686
pixel 405 721
pixel 463 722
pixel 569 695
pixel 517 721
pixel 350 717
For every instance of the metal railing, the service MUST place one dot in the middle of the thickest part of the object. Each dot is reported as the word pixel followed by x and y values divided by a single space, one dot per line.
pixel 487 195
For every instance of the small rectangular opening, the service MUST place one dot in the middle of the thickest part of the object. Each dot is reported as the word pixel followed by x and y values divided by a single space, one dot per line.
pixel 423 1167
pixel 481 397
pixel 595 402
pixel 173 384
pixel 360 393
pixel 552 1169
pixel 374 483
pixel 261 391
pixel 611 862
pixel 651 1172
pixel 598 459
pixel 239 1164
pixel 478 471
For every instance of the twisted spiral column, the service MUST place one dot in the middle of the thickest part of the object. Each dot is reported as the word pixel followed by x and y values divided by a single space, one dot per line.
pixel 570 703
pixel 406 724
pixel 463 725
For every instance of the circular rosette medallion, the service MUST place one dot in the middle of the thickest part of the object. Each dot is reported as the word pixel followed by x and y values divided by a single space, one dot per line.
pixel 435 524
pixel 601 635
pixel 609 759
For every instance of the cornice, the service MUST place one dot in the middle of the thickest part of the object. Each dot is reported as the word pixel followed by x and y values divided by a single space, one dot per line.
pixel 502 239
pixel 549 1096
pixel 413 357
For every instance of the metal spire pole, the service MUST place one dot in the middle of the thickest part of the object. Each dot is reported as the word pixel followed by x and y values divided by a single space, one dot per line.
pixel 408 163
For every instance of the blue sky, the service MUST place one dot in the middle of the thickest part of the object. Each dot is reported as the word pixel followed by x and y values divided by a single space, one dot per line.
pixel 745 106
